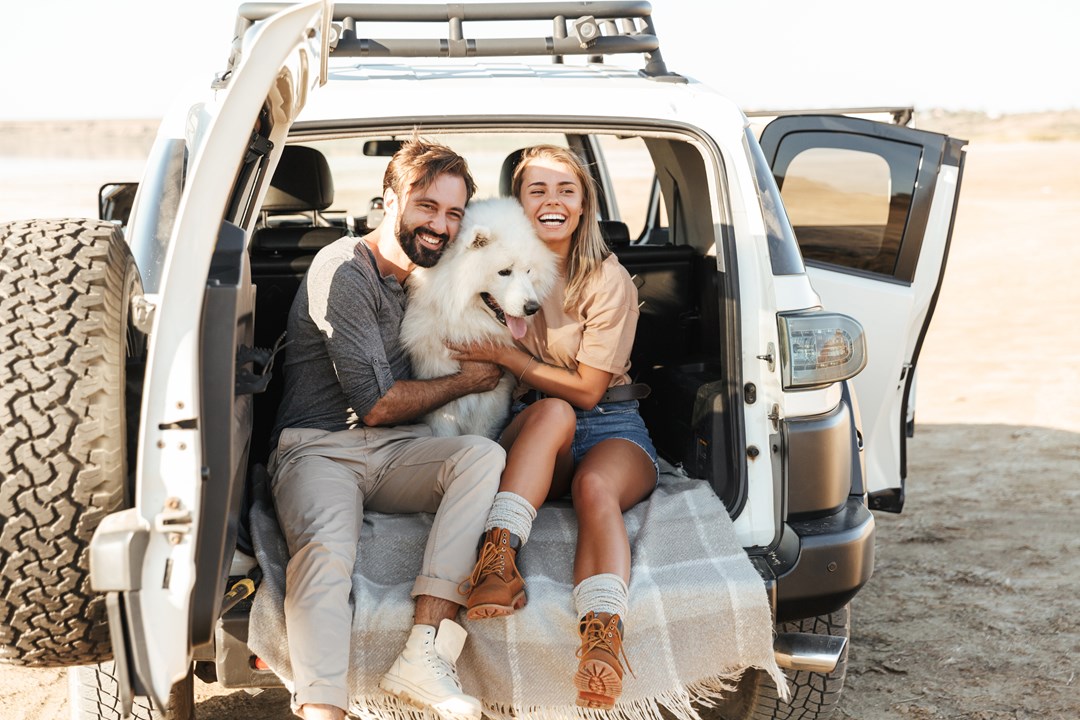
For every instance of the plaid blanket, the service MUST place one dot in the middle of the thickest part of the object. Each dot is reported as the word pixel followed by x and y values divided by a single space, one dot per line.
pixel 698 612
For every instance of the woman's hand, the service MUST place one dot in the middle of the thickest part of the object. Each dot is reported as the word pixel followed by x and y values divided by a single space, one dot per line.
pixel 488 352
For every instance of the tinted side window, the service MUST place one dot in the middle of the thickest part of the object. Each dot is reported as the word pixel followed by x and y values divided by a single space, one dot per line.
pixel 783 249
pixel 848 197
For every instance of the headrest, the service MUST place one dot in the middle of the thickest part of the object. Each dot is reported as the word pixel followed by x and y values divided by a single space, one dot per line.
pixel 615 233
pixel 301 182
pixel 506 174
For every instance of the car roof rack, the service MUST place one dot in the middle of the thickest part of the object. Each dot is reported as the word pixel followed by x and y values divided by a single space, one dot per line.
pixel 595 29
pixel 901 114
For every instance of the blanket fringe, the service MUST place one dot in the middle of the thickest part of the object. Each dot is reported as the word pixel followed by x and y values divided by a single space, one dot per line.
pixel 706 692
pixel 673 705
pixel 385 707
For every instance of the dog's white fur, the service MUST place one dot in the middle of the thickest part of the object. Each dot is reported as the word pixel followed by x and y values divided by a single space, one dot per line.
pixel 496 253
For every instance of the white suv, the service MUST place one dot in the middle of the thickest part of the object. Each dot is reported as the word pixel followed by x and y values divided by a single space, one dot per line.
pixel 137 388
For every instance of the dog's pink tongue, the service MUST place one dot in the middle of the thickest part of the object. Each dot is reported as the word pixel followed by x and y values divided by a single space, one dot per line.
pixel 516 325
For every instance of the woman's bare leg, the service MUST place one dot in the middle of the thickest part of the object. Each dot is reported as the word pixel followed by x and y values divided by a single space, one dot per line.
pixel 612 478
pixel 539 460
pixel 538 457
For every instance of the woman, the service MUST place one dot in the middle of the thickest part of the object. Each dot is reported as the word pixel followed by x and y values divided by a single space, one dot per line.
pixel 581 433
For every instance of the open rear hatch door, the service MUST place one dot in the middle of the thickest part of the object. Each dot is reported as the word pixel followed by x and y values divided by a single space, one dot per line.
pixel 872 206
pixel 145 558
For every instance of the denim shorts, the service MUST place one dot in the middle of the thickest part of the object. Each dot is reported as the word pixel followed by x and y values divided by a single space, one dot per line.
pixel 606 421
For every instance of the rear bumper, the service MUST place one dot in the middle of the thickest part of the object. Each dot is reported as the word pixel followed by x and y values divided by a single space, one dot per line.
pixel 820 564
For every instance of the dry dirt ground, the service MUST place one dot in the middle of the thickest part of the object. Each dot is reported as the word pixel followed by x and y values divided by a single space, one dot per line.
pixel 972 610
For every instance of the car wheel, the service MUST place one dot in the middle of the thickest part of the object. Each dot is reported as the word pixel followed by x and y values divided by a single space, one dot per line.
pixel 65 346
pixel 94 695
pixel 814 696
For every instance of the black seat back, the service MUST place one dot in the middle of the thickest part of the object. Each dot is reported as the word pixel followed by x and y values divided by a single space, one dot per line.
pixel 281 253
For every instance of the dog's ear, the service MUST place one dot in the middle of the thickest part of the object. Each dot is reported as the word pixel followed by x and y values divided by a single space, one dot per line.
pixel 481 236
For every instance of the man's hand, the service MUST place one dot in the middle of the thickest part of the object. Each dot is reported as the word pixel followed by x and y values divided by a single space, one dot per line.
pixel 410 399
pixel 480 376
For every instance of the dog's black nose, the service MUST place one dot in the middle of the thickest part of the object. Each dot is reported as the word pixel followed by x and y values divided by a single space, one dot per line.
pixel 531 307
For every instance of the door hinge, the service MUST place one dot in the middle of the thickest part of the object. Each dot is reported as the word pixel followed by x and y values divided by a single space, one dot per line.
pixel 174 521
pixel 769 356
pixel 258 147
pixel 774 416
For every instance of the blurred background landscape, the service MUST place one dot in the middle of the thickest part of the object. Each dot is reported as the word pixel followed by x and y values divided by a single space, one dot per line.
pixel 51 168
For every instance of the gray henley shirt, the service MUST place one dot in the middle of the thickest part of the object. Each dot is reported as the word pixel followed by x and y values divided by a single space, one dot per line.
pixel 343 350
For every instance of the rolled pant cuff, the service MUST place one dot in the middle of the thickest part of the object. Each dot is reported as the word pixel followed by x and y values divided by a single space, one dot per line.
pixel 320 695
pixel 439 588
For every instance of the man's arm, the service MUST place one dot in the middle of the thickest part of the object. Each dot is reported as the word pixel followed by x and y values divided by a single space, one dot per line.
pixel 409 399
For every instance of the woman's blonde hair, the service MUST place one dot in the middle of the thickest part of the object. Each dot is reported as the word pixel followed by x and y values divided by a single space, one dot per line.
pixel 587 247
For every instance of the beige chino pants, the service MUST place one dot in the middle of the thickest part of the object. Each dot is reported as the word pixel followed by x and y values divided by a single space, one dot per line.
pixel 322 483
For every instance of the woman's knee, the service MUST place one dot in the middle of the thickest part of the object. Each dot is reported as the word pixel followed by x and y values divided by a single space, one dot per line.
pixel 554 417
pixel 594 489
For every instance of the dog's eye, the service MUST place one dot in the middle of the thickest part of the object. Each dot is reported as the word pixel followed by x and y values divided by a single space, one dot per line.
pixel 505 272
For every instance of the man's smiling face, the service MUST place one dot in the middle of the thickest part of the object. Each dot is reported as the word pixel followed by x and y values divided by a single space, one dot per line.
pixel 430 219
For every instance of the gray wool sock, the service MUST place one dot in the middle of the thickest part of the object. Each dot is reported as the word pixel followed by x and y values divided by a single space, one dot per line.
pixel 602 593
pixel 511 512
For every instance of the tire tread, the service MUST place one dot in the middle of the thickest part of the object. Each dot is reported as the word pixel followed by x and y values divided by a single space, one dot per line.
pixel 62 304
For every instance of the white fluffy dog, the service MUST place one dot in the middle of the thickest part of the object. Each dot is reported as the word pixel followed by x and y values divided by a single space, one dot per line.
pixel 488 281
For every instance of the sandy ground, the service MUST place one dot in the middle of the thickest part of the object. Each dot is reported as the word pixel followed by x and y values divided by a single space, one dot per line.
pixel 971 612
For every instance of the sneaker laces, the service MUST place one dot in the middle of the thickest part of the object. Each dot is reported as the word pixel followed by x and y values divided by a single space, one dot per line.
pixel 491 561
pixel 595 635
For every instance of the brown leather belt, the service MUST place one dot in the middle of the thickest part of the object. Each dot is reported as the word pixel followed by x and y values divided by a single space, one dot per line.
pixel 622 393
pixel 619 393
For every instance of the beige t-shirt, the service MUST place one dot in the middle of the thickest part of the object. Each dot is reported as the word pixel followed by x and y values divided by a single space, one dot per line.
pixel 599 332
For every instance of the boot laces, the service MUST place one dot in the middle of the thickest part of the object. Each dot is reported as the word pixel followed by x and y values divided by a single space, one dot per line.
pixel 444 667
pixel 492 561
pixel 607 637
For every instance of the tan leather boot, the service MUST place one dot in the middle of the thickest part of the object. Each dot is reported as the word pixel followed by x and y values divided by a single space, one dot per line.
pixel 599 674
pixel 495 587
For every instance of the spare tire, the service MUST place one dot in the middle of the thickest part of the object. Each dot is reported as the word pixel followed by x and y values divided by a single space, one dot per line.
pixel 65 340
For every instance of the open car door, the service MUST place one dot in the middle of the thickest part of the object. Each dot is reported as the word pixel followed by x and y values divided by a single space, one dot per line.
pixel 145 558
pixel 872 206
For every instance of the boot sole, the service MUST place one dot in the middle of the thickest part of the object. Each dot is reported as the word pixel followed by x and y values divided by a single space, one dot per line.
pixel 417 699
pixel 492 610
pixel 598 685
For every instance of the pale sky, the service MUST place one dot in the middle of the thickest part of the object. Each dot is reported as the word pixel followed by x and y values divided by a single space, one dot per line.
pixel 124 58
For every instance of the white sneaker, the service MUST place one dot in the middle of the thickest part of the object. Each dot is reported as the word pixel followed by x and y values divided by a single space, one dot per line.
pixel 425 674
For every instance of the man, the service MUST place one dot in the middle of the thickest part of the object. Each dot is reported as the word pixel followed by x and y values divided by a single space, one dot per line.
pixel 343 444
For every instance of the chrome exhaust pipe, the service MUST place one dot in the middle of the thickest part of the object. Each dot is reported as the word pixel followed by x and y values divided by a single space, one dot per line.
pixel 808 652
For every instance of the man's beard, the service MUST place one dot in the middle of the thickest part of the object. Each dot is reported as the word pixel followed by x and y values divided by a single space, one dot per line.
pixel 419 253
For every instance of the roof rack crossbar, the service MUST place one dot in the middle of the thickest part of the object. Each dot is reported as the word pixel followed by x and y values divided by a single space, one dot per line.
pixel 489 47
pixel 434 12
pixel 595 30
pixel 901 115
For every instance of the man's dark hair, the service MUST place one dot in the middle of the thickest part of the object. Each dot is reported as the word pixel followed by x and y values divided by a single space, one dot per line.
pixel 419 162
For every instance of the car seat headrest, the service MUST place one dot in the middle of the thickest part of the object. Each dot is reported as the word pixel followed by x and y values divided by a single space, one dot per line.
pixel 506 174
pixel 615 233
pixel 301 183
